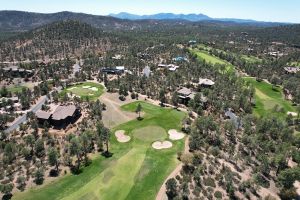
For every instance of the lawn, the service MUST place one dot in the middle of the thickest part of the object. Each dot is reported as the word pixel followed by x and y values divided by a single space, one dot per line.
pixel 266 98
pixel 251 59
pixel 87 90
pixel 204 55
pixel 135 171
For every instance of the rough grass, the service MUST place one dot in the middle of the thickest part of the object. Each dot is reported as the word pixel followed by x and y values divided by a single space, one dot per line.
pixel 135 171
pixel 266 99
pixel 85 93
pixel 15 89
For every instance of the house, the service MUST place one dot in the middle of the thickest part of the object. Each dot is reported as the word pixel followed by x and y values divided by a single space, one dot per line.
pixel 292 70
pixel 206 82
pixel 146 71
pixel 179 59
pixel 113 70
pixel 185 94
pixel 120 69
pixel 229 114
pixel 15 71
pixel 43 116
pixel 172 67
pixel 64 115
pixel 192 42
pixel 61 117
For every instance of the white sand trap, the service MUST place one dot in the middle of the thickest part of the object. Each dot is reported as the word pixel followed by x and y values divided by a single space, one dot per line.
pixel 90 94
pixel 175 135
pixel 86 87
pixel 121 137
pixel 72 88
pixel 162 145
pixel 94 89
pixel 294 114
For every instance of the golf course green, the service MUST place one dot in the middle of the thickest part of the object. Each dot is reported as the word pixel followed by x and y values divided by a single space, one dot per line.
pixel 87 90
pixel 266 99
pixel 135 171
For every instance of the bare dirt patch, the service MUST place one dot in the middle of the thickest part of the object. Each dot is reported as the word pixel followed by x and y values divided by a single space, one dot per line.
pixel 114 115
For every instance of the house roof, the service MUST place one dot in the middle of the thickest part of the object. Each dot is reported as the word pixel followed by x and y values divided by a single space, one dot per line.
pixel 62 112
pixel 206 81
pixel 42 114
pixel 234 118
pixel 292 69
pixel 184 91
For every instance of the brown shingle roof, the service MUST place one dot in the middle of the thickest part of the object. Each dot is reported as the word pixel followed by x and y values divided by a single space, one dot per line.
pixel 62 112
pixel 42 114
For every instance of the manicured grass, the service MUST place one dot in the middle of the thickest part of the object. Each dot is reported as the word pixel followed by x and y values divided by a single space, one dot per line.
pixel 135 171
pixel 85 93
pixel 251 59
pixel 266 98
pixel 295 63
pixel 150 133
pixel 204 55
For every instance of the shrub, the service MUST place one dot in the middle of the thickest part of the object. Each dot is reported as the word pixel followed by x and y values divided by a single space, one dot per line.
pixel 209 182
pixel 218 195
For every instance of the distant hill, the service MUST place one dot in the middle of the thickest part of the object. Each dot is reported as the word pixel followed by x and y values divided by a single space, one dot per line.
pixel 22 21
pixel 19 21
pixel 192 18
pixel 163 16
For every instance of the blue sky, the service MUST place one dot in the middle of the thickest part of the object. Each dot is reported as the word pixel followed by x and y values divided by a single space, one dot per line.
pixel 265 10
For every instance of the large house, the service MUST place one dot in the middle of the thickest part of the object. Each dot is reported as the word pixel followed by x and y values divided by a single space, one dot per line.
pixel 116 70
pixel 185 94
pixel 15 71
pixel 206 82
pixel 61 117
pixel 292 70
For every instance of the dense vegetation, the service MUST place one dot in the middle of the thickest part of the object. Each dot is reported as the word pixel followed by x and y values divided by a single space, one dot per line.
pixel 234 159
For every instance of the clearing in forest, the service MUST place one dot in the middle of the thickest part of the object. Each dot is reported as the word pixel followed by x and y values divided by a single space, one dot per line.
pixel 269 100
pixel 135 171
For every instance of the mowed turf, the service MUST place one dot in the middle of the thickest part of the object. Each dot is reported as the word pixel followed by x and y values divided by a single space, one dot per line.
pixel 266 99
pixel 83 92
pixel 135 171
pixel 204 55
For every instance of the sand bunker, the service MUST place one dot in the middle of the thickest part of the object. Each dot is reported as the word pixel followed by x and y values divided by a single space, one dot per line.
pixel 86 87
pixel 294 114
pixel 94 89
pixel 121 137
pixel 175 135
pixel 91 94
pixel 162 145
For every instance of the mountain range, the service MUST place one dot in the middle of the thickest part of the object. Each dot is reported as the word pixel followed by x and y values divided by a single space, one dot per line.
pixel 19 21
pixel 188 17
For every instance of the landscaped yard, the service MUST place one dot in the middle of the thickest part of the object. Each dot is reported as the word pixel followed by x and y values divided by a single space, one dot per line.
pixel 135 171
pixel 87 90
pixel 266 99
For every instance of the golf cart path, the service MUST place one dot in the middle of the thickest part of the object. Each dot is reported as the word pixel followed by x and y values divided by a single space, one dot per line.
pixel 161 195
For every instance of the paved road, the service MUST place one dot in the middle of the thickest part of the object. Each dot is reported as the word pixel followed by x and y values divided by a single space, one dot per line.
pixel 33 109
